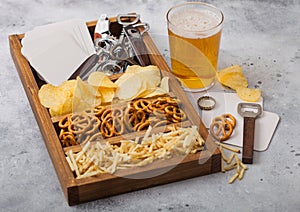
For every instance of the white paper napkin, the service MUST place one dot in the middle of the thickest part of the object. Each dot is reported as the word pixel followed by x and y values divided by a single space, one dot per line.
pixel 265 125
pixel 56 50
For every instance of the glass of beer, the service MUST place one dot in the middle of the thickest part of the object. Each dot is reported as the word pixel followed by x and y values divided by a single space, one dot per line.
pixel 194 31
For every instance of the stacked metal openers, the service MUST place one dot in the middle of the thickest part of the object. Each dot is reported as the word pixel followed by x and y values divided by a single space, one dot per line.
pixel 114 54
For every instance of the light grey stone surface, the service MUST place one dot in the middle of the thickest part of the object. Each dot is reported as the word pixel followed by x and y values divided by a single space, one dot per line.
pixel 262 36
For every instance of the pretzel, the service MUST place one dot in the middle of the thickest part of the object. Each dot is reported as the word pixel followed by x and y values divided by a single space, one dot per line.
pixel 142 126
pixel 175 113
pixel 138 115
pixel 133 117
pixel 77 128
pixel 112 122
pixel 67 138
pixel 106 127
pixel 222 128
pixel 230 118
pixel 98 110
pixel 142 104
pixel 64 122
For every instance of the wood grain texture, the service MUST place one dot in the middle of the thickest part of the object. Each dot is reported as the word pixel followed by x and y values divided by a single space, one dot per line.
pixel 41 114
pixel 104 185
pixel 248 140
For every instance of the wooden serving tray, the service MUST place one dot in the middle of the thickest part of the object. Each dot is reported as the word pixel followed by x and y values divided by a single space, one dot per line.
pixel 103 185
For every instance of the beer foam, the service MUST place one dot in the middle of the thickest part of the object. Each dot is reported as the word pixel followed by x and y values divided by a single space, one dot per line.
pixel 194 23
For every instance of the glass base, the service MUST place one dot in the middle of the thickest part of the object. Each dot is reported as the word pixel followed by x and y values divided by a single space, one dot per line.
pixel 198 89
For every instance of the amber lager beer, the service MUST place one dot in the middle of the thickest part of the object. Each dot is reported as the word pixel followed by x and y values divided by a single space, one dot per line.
pixel 194 36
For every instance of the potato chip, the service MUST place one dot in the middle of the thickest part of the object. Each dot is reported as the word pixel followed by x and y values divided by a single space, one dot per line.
pixel 68 86
pixel 248 94
pixel 100 79
pixel 85 90
pixel 231 69
pixel 51 96
pixel 79 104
pixel 138 82
pixel 129 88
pixel 150 77
pixel 107 94
pixel 137 68
pixel 67 107
pixel 164 84
pixel 85 96
pixel 133 69
pixel 234 80
pixel 162 89
pixel 55 110
pixel 159 91
pixel 232 77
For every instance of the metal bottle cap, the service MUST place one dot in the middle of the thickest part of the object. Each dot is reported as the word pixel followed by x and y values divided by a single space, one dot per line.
pixel 206 103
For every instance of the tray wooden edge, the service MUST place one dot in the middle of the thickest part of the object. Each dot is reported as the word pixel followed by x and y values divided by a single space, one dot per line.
pixel 44 122
pixel 190 167
pixel 75 190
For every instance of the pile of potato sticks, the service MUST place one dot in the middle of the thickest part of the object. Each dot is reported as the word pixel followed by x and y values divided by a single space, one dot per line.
pixel 96 158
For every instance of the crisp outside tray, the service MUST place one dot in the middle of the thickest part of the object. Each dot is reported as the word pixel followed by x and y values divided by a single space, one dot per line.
pixel 78 191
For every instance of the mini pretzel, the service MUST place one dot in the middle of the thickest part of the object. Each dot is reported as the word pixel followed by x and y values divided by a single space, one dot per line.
pixel 219 131
pixel 64 122
pixel 176 114
pixel 230 118
pixel 67 138
pixel 106 127
pixel 222 127
pixel 98 110
pixel 78 123
pixel 160 114
pixel 77 128
pixel 112 122
pixel 142 126
pixel 161 123
pixel 142 104
pixel 91 124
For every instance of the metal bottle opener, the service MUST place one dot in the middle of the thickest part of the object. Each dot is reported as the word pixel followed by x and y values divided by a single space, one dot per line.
pixel 136 41
pixel 250 112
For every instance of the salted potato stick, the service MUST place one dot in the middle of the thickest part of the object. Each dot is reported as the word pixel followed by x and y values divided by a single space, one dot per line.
pixel 238 163
pixel 222 167
pixel 222 153
pixel 107 158
pixel 84 149
pixel 229 147
pixel 244 166
pixel 230 166
pixel 74 163
pixel 70 163
pixel 241 174
pixel 233 178
pixel 147 133
pixel 229 160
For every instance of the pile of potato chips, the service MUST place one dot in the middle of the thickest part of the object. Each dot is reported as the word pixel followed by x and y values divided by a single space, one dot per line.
pixel 141 82
pixel 77 95
pixel 234 78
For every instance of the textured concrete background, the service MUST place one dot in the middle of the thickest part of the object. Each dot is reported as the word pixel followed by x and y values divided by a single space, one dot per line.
pixel 262 36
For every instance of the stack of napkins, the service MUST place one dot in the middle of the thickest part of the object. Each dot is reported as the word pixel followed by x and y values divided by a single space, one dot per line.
pixel 56 50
